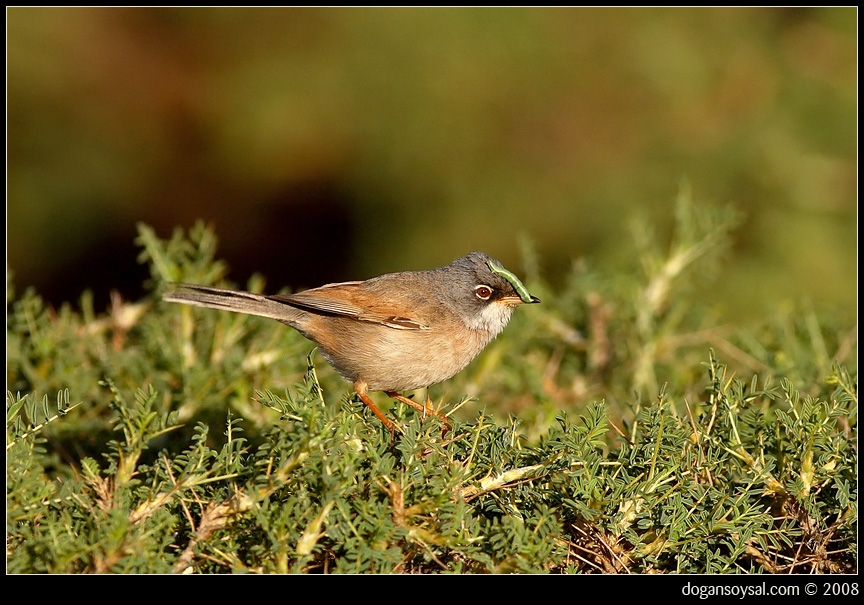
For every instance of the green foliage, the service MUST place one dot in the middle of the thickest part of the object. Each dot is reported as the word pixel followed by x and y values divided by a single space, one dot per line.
pixel 622 432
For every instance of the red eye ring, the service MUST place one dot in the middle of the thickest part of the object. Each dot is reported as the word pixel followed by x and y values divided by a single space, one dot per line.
pixel 483 292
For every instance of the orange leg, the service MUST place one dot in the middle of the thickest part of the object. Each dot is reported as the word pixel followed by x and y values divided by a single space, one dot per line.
pixel 362 389
pixel 426 409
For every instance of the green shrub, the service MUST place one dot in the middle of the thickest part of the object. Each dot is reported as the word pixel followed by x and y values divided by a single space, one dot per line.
pixel 615 428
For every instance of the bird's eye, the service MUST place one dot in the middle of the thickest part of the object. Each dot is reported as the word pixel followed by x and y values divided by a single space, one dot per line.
pixel 483 292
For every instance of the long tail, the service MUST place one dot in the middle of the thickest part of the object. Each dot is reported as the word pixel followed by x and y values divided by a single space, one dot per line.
pixel 231 300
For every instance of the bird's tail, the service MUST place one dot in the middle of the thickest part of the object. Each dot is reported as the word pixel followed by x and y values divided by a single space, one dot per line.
pixel 231 300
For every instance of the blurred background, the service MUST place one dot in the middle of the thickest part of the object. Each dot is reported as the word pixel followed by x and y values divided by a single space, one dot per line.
pixel 327 144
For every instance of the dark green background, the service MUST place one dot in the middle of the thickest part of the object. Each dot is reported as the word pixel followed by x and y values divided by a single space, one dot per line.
pixel 329 144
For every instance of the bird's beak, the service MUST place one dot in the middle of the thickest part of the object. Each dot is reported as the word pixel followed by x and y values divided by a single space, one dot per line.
pixel 515 301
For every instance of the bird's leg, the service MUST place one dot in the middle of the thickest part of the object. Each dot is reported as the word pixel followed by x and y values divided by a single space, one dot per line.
pixel 361 388
pixel 426 409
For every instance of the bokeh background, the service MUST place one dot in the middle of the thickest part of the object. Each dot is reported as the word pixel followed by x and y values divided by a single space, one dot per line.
pixel 326 144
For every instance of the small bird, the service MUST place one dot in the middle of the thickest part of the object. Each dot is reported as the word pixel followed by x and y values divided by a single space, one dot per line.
pixel 396 332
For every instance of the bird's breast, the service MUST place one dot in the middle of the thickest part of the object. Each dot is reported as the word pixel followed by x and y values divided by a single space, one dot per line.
pixel 389 359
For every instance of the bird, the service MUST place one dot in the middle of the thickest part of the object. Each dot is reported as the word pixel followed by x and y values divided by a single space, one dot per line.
pixel 395 332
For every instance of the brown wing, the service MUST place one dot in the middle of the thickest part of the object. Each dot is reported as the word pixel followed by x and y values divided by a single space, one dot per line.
pixel 346 299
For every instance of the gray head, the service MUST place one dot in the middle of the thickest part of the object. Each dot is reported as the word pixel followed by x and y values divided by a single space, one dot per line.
pixel 483 292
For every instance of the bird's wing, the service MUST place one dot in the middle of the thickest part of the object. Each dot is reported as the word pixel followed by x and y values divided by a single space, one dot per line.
pixel 346 299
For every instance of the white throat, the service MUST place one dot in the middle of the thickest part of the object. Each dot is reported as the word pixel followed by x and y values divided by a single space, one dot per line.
pixel 492 319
